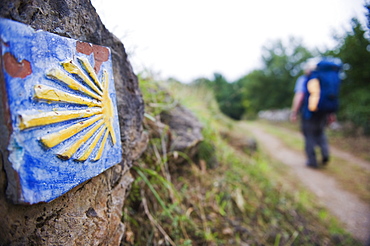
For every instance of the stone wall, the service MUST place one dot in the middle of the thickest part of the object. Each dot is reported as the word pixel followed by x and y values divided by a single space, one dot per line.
pixel 275 115
pixel 89 214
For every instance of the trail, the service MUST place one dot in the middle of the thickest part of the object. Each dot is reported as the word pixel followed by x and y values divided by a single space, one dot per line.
pixel 348 208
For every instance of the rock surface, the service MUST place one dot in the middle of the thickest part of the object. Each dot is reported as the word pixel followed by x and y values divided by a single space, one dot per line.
pixel 275 115
pixel 185 127
pixel 89 214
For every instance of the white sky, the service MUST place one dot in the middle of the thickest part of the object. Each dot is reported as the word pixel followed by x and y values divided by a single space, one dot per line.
pixel 196 38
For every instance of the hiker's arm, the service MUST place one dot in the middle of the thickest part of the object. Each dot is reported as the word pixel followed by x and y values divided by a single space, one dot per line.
pixel 332 118
pixel 297 102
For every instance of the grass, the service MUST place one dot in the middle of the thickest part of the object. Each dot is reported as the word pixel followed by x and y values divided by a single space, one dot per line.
pixel 342 170
pixel 224 195
pixel 353 143
pixel 282 176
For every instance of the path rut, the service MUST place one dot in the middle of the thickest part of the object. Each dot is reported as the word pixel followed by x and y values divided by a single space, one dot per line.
pixel 348 208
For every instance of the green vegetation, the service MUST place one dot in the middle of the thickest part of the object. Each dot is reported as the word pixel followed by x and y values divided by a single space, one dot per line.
pixel 355 53
pixel 227 194
pixel 271 87
pixel 343 171
pixel 179 199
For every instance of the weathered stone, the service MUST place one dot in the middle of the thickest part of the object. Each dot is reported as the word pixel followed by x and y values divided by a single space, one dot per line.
pixel 89 214
pixel 185 128
pixel 275 115
pixel 64 128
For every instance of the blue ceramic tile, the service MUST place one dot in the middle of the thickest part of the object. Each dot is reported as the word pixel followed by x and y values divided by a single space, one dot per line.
pixel 61 102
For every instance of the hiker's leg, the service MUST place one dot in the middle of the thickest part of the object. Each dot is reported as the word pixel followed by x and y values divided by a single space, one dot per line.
pixel 322 139
pixel 319 124
pixel 309 136
pixel 325 150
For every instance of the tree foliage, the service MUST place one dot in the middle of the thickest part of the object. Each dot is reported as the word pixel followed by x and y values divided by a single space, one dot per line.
pixel 268 88
pixel 271 87
pixel 354 51
pixel 228 97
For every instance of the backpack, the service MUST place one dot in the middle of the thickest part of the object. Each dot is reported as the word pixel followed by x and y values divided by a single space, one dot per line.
pixel 327 72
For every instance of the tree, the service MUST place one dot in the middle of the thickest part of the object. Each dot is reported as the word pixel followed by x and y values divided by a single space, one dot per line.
pixel 228 97
pixel 354 51
pixel 272 86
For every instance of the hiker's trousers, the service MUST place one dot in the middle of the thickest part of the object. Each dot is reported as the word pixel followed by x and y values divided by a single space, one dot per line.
pixel 314 134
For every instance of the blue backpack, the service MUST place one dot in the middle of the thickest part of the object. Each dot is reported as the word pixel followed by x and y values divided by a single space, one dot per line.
pixel 327 72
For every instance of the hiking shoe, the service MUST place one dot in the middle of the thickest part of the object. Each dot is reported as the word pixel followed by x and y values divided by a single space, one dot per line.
pixel 312 166
pixel 325 161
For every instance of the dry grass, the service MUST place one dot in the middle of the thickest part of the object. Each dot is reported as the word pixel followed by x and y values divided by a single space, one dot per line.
pixel 239 201
pixel 351 177
pixel 359 146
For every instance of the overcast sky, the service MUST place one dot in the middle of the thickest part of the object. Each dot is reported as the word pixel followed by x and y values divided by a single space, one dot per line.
pixel 196 38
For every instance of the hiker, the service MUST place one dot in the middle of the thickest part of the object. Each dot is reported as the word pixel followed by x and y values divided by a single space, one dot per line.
pixel 315 107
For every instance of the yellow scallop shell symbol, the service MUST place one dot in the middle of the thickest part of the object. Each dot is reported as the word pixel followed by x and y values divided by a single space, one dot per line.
pixel 98 116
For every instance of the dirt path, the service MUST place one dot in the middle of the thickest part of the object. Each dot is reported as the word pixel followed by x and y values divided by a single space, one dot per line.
pixel 349 209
